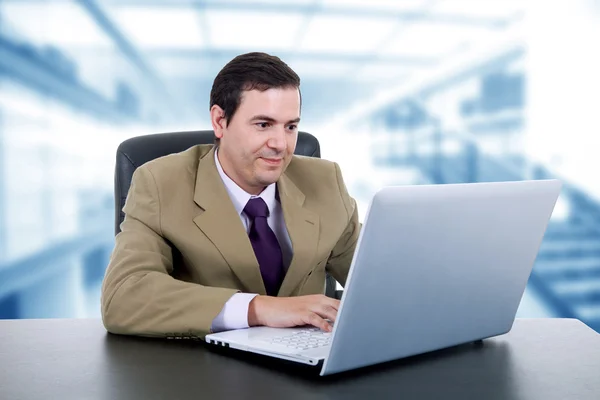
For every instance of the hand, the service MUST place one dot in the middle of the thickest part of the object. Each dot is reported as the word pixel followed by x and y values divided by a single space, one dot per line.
pixel 287 312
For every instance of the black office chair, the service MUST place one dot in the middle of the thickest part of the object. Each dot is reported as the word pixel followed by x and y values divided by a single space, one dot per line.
pixel 138 150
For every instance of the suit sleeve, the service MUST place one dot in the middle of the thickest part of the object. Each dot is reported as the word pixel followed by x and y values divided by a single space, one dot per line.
pixel 338 264
pixel 139 295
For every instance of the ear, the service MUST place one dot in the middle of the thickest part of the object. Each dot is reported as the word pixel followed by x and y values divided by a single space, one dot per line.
pixel 217 119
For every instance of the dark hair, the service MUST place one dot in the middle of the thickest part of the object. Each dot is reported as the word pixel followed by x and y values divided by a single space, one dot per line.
pixel 249 71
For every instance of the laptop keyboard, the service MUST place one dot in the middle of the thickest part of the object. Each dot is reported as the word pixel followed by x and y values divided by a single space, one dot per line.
pixel 310 338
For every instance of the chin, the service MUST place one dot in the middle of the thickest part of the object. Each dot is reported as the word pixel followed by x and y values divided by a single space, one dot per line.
pixel 269 178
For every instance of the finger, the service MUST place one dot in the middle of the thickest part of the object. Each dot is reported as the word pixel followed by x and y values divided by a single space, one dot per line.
pixel 315 320
pixel 327 312
pixel 334 303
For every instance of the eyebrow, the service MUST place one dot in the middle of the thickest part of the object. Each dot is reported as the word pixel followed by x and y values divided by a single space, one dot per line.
pixel 269 119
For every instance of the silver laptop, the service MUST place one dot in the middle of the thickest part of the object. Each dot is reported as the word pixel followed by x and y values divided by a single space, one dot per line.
pixel 435 266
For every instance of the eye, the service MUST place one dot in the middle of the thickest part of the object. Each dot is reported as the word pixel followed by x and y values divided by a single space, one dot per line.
pixel 292 127
pixel 263 125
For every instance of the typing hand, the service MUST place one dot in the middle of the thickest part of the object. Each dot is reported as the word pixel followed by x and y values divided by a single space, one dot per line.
pixel 287 312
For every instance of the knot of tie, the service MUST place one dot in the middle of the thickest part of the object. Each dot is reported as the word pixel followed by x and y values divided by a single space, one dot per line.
pixel 256 207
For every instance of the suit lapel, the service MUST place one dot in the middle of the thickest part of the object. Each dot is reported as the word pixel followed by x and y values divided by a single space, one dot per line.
pixel 222 225
pixel 303 227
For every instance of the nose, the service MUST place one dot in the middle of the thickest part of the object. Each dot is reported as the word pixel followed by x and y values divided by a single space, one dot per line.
pixel 277 139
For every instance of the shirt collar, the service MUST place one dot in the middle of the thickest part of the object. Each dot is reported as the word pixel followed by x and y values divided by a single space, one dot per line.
pixel 239 196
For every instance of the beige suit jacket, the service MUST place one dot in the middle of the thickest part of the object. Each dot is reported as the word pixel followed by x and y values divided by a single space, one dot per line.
pixel 183 250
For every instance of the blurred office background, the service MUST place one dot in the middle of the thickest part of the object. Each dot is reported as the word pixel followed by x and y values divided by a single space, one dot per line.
pixel 398 92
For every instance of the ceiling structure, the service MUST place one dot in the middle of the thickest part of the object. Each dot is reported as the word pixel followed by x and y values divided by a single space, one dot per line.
pixel 344 50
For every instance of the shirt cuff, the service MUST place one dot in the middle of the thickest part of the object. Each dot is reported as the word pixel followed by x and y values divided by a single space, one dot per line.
pixel 234 314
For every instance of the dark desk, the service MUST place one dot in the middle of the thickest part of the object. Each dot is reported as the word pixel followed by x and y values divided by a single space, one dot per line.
pixel 77 359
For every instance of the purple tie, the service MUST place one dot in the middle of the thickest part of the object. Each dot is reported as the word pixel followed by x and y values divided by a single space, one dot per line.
pixel 265 245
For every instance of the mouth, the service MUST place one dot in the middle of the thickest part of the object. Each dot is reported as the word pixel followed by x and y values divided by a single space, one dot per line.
pixel 272 161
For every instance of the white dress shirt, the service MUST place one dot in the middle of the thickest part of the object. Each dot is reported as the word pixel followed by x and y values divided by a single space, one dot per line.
pixel 234 314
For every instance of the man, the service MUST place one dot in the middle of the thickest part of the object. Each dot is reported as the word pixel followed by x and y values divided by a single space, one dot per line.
pixel 237 234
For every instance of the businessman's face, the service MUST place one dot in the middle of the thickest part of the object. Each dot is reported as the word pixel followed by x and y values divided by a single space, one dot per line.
pixel 258 142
